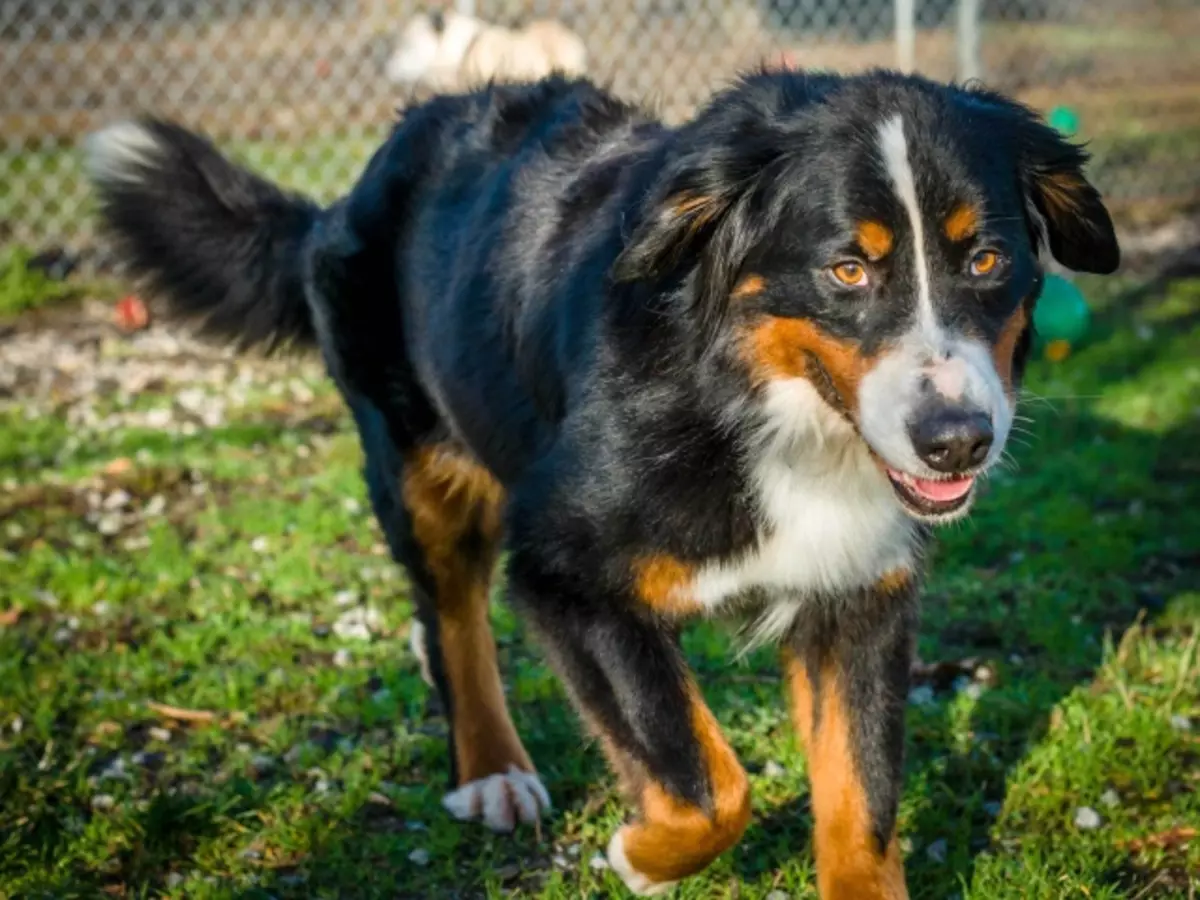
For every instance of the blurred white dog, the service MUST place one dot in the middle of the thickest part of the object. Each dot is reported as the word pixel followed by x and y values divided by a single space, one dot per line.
pixel 448 49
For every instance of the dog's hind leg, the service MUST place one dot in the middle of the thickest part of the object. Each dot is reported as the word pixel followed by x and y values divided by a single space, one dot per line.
pixel 441 513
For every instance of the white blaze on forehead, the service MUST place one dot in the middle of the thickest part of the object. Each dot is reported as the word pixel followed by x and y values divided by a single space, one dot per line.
pixel 894 149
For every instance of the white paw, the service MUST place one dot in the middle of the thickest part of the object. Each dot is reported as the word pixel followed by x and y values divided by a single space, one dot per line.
pixel 634 880
pixel 416 642
pixel 500 801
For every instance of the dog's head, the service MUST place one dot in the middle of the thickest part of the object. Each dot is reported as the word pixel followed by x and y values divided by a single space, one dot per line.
pixel 874 240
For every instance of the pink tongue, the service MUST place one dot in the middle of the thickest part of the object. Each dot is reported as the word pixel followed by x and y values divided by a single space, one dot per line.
pixel 941 491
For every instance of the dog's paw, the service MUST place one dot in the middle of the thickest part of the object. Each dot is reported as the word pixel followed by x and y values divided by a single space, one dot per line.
pixel 500 801
pixel 634 880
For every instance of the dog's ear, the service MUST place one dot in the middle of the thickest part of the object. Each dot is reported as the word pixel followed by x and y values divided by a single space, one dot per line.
pixel 701 225
pixel 674 229
pixel 1068 208
pixel 1064 210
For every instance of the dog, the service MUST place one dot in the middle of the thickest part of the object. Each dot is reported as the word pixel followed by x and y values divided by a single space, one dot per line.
pixel 742 366
pixel 447 49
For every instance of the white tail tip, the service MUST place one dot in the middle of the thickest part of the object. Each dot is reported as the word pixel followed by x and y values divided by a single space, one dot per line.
pixel 119 152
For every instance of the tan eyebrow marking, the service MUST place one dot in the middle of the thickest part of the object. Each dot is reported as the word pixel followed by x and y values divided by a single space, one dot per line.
pixel 875 239
pixel 962 223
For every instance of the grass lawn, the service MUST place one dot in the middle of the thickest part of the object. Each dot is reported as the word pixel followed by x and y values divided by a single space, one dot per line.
pixel 226 565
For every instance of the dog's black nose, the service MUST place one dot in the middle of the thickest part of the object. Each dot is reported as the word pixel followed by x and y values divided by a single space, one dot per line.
pixel 952 440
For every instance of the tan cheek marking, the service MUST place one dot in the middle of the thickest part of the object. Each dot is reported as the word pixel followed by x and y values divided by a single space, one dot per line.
pixel 875 239
pixel 780 348
pixel 1006 346
pixel 749 287
pixel 664 584
pixel 962 223
pixel 849 864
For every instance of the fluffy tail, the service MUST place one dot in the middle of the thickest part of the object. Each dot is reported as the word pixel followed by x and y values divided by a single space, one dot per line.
pixel 219 244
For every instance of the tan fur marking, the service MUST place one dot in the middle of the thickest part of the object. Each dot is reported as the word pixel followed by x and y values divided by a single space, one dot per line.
pixel 778 348
pixel 1006 346
pixel 875 239
pixel 699 209
pixel 663 582
pixel 962 223
pixel 894 582
pixel 749 287
pixel 849 865
pixel 672 838
pixel 1060 191
pixel 449 497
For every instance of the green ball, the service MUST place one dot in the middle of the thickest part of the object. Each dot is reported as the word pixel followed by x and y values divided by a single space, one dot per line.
pixel 1064 119
pixel 1061 313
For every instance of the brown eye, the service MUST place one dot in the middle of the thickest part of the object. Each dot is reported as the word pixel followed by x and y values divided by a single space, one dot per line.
pixel 984 262
pixel 851 274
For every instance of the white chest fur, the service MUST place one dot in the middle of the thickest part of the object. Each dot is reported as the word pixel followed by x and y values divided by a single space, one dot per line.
pixel 830 520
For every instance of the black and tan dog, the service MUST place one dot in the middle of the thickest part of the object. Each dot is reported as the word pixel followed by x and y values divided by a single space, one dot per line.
pixel 741 365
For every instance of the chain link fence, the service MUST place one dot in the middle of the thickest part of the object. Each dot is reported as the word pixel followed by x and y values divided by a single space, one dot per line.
pixel 300 89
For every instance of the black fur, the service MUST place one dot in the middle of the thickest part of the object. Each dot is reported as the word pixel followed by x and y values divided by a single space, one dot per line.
pixel 222 243
pixel 541 275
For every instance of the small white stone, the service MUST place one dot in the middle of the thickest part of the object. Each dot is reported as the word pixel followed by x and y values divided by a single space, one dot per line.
pixel 419 857
pixel 103 802
pixel 262 763
pixel 937 850
pixel 160 734
pixel 779 895
pixel 260 544
pixel 17 724
pixel 773 769
pixel 1181 723
pixel 1087 818
pixel 155 507
pixel 174 879
pixel 921 696
pixel 109 524
pixel 598 862
pixel 345 598
pixel 358 623
pixel 342 658
pixel 1110 798
pixel 118 499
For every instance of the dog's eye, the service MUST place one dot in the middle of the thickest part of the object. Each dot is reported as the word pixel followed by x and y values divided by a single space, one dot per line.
pixel 851 274
pixel 985 262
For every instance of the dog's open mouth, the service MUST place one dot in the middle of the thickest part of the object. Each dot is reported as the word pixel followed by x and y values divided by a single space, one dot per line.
pixel 932 498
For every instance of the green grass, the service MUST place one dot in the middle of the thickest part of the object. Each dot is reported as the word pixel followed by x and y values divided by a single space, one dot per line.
pixel 321 770
pixel 23 288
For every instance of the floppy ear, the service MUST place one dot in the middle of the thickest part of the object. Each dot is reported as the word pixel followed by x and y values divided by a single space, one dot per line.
pixel 674 230
pixel 1076 223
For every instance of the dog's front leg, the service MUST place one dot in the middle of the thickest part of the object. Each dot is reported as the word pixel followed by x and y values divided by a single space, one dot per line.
pixel 627 676
pixel 848 680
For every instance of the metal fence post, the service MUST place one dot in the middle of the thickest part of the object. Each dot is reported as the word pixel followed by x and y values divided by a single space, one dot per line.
pixel 906 35
pixel 970 66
